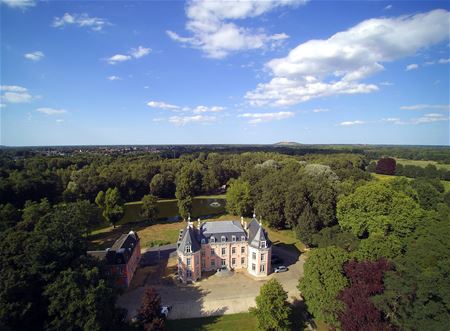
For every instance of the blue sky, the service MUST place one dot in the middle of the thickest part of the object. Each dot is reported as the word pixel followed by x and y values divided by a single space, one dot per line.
pixel 172 72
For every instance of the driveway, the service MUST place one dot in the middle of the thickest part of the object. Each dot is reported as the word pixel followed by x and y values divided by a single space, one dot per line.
pixel 216 295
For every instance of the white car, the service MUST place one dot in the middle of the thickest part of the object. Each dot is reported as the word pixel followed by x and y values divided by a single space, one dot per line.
pixel 281 268
pixel 165 310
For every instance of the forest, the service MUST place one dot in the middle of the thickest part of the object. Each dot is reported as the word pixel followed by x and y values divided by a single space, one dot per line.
pixel 379 251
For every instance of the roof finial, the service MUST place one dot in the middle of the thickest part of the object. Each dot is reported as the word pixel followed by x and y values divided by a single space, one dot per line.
pixel 260 221
pixel 254 213
pixel 189 217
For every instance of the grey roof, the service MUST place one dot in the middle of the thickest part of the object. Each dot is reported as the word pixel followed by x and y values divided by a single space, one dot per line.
pixel 257 234
pixel 121 250
pixel 220 229
pixel 188 237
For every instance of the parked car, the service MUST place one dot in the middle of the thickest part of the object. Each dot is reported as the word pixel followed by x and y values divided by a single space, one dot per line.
pixel 165 310
pixel 281 268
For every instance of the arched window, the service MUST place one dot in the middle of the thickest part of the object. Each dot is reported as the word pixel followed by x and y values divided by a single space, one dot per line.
pixel 188 248
pixel 212 239
pixel 223 239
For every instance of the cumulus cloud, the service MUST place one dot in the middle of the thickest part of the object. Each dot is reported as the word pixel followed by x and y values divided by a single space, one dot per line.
pixel 20 4
pixel 80 20
pixel 34 56
pixel 204 109
pixel 338 65
pixel 162 105
pixel 427 118
pixel 15 94
pixel 320 110
pixel 426 106
pixel 444 61
pixel 388 7
pixel 212 30
pixel 134 53
pixel 350 123
pixel 255 118
pixel 412 66
pixel 183 120
pixel 51 111
pixel 114 77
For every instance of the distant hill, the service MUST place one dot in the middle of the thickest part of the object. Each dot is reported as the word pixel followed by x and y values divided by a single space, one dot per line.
pixel 287 143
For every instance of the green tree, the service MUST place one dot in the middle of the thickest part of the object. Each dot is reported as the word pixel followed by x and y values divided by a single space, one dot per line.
pixel 149 312
pixel 378 246
pixel 186 183
pixel 112 205
pixel 158 185
pixel 238 198
pixel 81 299
pixel 149 208
pixel 417 295
pixel 185 207
pixel 272 309
pixel 9 216
pixel 427 194
pixel 308 225
pixel 322 281
pixel 377 208
pixel 32 212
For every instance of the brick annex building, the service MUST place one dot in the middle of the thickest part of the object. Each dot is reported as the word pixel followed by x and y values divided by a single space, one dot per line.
pixel 230 244
pixel 122 258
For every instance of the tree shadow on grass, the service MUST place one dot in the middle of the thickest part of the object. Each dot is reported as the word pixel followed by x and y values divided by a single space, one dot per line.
pixel 288 253
pixel 301 319
pixel 195 324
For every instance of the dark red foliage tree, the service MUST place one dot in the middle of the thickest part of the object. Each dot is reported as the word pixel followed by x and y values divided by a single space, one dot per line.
pixel 366 280
pixel 386 166
pixel 149 312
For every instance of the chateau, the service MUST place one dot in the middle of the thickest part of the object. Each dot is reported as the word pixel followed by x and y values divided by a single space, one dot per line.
pixel 223 244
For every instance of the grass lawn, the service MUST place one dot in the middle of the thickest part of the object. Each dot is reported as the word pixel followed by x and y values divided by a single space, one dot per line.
pixel 423 163
pixel 232 322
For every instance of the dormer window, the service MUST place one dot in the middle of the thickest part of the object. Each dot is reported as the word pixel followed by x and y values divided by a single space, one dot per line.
pixel 263 244
pixel 223 239
pixel 188 248
pixel 233 238
pixel 242 238
pixel 203 240
pixel 213 240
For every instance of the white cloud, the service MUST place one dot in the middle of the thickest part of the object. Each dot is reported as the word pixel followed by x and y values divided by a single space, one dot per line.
pixel 338 65
pixel 34 56
pixel 162 105
pixel 426 106
pixel 386 83
pixel 320 110
pixel 388 7
pixel 350 123
pixel 255 118
pixel 204 109
pixel 20 4
pixel 15 94
pixel 212 31
pixel 51 111
pixel 139 52
pixel 80 20
pixel 391 120
pixel 427 118
pixel 444 61
pixel 134 53
pixel 114 77
pixel 412 66
pixel 183 120
pixel 59 120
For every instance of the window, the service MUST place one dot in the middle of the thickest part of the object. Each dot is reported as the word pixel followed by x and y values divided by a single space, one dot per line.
pixel 242 238
pixel 203 264
pixel 233 250
pixel 188 248
pixel 213 263
pixel 254 255
pixel 223 263
pixel 203 240
pixel 203 252
pixel 242 260
pixel 263 244
pixel 253 267
pixel 233 238
pixel 212 252
pixel 180 260
pixel 188 261
pixel 263 256
pixel 262 268
pixel 212 239
pixel 223 239
pixel 223 251
pixel 188 274
pixel 233 261
pixel 243 249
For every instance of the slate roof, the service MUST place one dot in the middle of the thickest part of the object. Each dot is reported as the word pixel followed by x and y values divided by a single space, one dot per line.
pixel 257 234
pixel 220 229
pixel 189 237
pixel 120 252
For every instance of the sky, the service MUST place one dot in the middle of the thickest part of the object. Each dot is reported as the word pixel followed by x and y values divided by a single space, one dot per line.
pixel 224 72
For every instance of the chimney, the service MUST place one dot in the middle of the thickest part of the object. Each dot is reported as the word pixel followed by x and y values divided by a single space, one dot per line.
pixel 245 226
pixel 199 223
pixel 242 221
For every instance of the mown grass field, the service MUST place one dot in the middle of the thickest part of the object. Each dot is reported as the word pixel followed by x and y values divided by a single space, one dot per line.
pixel 423 163
pixel 388 177
pixel 232 322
